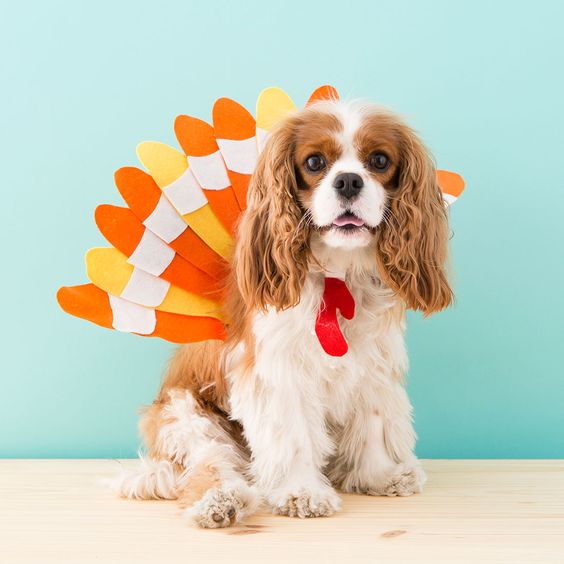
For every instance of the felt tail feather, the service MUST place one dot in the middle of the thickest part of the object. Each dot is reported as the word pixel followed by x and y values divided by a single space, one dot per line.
pixel 323 93
pixel 273 105
pixel 235 131
pixel 93 304
pixel 451 184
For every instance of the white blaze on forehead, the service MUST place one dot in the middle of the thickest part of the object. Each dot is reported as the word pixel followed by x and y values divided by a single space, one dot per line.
pixel 350 117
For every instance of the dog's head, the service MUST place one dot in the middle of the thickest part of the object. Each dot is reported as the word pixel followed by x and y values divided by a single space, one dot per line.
pixel 351 177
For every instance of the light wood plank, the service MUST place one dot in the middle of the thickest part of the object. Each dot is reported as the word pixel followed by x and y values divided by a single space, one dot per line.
pixel 470 511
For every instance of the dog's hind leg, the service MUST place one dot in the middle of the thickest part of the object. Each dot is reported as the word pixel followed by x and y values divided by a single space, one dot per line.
pixel 195 458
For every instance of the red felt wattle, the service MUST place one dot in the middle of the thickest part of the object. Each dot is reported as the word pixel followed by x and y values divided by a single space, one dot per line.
pixel 336 296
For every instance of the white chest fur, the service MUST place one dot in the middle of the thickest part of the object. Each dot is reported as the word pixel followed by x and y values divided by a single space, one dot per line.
pixel 287 346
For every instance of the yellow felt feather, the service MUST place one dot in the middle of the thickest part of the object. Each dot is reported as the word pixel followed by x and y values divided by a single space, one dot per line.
pixel 273 104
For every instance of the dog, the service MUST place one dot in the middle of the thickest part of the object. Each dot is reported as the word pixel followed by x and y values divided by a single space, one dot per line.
pixel 342 190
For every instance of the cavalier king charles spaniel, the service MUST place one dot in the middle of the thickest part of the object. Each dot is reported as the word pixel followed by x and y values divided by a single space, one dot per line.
pixel 342 190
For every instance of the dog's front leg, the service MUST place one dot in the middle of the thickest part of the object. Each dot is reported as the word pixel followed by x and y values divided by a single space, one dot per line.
pixel 284 424
pixel 375 451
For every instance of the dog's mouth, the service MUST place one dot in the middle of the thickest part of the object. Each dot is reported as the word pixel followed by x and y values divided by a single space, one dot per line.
pixel 348 222
pixel 348 231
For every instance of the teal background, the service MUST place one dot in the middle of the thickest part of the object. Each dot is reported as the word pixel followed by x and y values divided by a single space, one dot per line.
pixel 83 82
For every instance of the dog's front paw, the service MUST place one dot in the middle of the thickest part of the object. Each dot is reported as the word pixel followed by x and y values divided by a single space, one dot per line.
pixel 321 501
pixel 406 480
pixel 402 480
pixel 221 507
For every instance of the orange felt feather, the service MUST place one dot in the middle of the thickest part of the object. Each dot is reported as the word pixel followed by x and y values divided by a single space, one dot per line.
pixel 89 302
pixel 325 92
pixel 450 182
pixel 232 121
pixel 234 124
pixel 187 329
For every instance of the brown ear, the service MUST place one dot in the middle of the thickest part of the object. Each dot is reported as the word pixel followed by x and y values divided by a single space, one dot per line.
pixel 413 241
pixel 272 246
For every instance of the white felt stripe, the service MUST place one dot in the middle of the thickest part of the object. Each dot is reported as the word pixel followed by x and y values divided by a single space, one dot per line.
pixel 185 193
pixel 240 156
pixel 262 137
pixel 132 318
pixel 145 289
pixel 449 199
pixel 164 221
pixel 210 171
pixel 152 254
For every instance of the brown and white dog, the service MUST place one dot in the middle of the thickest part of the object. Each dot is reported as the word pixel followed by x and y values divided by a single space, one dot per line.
pixel 268 417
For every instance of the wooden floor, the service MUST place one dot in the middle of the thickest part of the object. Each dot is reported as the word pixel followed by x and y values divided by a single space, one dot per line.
pixel 471 511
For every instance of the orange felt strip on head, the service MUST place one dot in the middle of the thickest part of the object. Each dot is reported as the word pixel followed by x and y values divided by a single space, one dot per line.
pixel 197 139
pixel 124 231
pixel 325 92
pixel 142 195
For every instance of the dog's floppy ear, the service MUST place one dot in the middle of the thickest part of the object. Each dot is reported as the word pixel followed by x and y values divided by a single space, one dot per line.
pixel 272 246
pixel 413 241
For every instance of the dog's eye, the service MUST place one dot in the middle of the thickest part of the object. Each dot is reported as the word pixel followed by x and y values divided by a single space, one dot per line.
pixel 315 163
pixel 378 162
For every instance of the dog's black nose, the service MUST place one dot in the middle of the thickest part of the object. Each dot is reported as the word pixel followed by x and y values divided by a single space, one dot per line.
pixel 348 184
